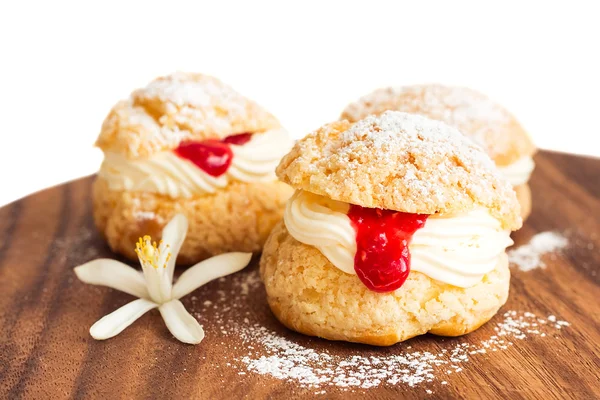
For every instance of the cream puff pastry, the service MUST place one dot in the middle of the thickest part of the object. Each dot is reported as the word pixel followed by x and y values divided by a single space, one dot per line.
pixel 398 227
pixel 187 143
pixel 473 114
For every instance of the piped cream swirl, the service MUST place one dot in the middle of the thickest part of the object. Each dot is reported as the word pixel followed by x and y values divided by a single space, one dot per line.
pixel 518 172
pixel 166 173
pixel 458 250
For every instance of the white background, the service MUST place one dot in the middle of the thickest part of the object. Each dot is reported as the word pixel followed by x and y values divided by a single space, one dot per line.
pixel 63 65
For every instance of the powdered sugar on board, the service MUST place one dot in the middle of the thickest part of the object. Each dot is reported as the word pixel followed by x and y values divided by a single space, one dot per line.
pixel 529 256
pixel 257 344
pixel 287 360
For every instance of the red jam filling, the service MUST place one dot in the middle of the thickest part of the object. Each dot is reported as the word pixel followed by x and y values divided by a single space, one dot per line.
pixel 239 139
pixel 382 260
pixel 212 156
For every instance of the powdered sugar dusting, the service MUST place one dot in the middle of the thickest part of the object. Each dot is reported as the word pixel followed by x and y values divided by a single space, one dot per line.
pixel 181 90
pixel 193 90
pixel 287 360
pixel 403 162
pixel 529 256
pixel 424 165
pixel 178 107
pixel 194 102
pixel 258 345
pixel 130 126
pixel 473 113
pixel 415 134
pixel 78 247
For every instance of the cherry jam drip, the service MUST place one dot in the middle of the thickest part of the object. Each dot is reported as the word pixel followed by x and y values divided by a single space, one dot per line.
pixel 212 156
pixel 382 260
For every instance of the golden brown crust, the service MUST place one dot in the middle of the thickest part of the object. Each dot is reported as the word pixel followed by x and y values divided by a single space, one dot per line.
pixel 473 113
pixel 310 295
pixel 524 196
pixel 237 218
pixel 181 106
pixel 402 162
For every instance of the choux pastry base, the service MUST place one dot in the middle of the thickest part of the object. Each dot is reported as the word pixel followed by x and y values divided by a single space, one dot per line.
pixel 310 295
pixel 237 218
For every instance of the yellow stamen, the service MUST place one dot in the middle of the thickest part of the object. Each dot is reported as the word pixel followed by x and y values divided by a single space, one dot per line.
pixel 148 251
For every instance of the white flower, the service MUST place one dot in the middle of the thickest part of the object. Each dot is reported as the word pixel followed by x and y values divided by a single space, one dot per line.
pixel 154 286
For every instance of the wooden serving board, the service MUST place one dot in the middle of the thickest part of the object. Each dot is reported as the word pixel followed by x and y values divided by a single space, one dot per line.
pixel 45 313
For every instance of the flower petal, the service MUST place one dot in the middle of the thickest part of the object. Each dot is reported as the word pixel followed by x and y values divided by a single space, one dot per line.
pixel 174 234
pixel 113 274
pixel 180 323
pixel 207 270
pixel 114 323
pixel 157 284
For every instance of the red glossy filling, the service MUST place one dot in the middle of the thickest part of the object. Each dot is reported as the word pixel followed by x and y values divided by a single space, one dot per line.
pixel 382 260
pixel 239 139
pixel 212 156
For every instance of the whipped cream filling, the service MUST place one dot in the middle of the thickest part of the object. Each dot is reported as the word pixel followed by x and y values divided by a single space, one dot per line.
pixel 167 174
pixel 458 250
pixel 518 172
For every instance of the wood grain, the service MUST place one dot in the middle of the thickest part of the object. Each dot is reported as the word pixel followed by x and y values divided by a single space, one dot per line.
pixel 45 314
